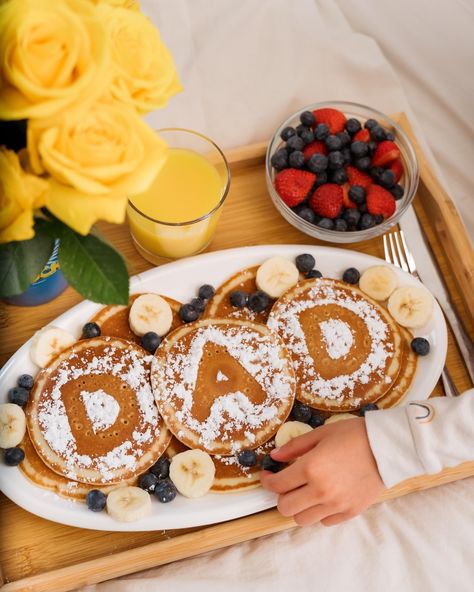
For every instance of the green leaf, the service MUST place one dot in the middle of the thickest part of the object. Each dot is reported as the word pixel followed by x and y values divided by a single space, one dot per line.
pixel 94 268
pixel 22 261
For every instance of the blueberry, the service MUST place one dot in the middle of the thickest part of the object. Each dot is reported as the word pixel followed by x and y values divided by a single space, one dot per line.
pixel 397 191
pixel 161 469
pixel 26 381
pixel 301 412
pixel 335 160
pixel 247 458
pixel 317 163
pixel 165 491
pixel 326 223
pixel 363 208
pixel 387 179
pixel 199 304
pixel 96 500
pixel 357 194
pixel 307 118
pixel 90 330
pixel 366 221
pixel 333 143
pixel 352 217
pixel 206 292
pixel 296 159
pixel 340 177
pixel 420 346
pixel 307 136
pixel 306 214
pixel 377 133
pixel 18 396
pixel 13 456
pixel 389 136
pixel 372 146
pixel 340 225
pixel 362 163
pixel 268 464
pixel 313 273
pixel 150 341
pixel 258 301
pixel 359 149
pixel 346 155
pixel 321 131
pixel 147 481
pixel 353 125
pixel 375 173
pixel 321 179
pixel 316 419
pixel 370 123
pixel 351 275
pixel 280 159
pixel 305 262
pixel 295 143
pixel 344 137
pixel 301 128
pixel 368 407
pixel 287 133
pixel 378 219
pixel 238 298
pixel 188 313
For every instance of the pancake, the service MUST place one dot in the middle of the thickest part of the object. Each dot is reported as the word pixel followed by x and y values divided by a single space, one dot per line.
pixel 346 348
pixel 230 475
pixel 113 320
pixel 91 415
pixel 220 306
pixel 40 474
pixel 223 386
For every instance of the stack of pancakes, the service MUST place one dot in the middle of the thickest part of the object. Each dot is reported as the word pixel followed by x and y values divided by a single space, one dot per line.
pixel 104 410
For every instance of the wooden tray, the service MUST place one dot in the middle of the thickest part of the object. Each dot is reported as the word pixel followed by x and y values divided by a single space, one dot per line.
pixel 38 555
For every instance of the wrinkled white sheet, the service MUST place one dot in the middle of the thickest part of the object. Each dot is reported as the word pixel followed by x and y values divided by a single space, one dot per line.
pixel 245 65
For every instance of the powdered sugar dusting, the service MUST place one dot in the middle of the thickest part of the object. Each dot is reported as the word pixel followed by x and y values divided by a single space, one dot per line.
pixel 102 409
pixel 338 337
pixel 221 377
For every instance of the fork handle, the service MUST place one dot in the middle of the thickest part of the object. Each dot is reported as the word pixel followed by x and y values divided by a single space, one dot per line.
pixel 449 387
pixel 465 344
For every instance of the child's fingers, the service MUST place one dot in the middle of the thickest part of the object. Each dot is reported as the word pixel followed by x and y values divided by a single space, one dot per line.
pixel 314 514
pixel 298 446
pixel 286 480
pixel 297 501
pixel 337 518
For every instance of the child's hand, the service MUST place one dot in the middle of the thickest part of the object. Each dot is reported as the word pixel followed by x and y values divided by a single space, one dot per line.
pixel 333 478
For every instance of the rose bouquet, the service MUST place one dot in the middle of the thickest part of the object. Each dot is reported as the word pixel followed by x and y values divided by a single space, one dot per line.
pixel 75 78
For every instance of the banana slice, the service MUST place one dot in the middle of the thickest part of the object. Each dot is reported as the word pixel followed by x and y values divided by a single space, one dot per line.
pixel 290 430
pixel 192 472
pixel 276 275
pixel 378 282
pixel 12 425
pixel 48 343
pixel 411 306
pixel 150 312
pixel 339 417
pixel 127 504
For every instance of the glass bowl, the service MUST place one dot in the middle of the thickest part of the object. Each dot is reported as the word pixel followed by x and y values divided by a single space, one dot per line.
pixel 409 181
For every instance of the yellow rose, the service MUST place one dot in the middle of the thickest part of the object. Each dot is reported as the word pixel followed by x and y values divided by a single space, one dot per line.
pixel 20 194
pixel 96 158
pixel 133 4
pixel 54 53
pixel 144 73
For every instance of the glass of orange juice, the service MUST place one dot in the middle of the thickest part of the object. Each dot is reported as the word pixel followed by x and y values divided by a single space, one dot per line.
pixel 178 214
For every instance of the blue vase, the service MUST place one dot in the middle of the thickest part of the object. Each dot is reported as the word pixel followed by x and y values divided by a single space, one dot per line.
pixel 49 284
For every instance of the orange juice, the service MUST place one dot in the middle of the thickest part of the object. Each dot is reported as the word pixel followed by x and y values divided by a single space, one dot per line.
pixel 188 187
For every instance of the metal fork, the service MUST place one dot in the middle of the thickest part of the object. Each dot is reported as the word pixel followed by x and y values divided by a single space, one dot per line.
pixel 397 252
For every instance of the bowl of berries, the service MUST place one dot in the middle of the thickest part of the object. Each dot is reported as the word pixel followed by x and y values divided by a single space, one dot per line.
pixel 341 172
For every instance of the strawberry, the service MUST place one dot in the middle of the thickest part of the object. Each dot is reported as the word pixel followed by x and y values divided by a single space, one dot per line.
pixel 334 119
pixel 293 185
pixel 397 169
pixel 357 177
pixel 316 147
pixel 385 153
pixel 380 201
pixel 362 135
pixel 346 200
pixel 327 200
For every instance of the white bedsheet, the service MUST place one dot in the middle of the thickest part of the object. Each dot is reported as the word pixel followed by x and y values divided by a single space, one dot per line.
pixel 245 65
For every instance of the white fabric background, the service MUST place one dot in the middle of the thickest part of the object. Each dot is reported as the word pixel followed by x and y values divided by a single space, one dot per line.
pixel 245 66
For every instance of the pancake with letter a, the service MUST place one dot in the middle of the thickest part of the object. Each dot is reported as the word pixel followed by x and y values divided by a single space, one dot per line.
pixel 92 416
pixel 346 348
pixel 223 386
